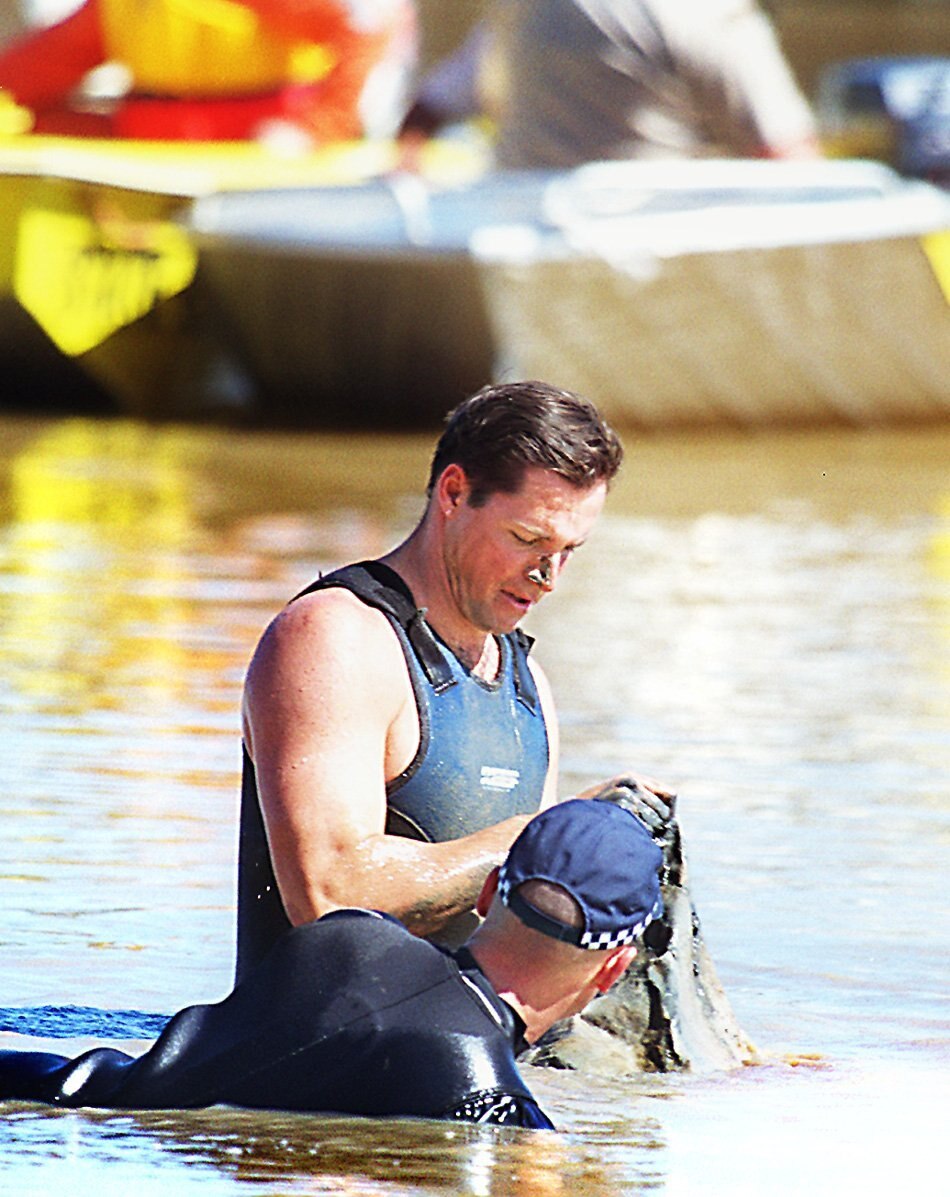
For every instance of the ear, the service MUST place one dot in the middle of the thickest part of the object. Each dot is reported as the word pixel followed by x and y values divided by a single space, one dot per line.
pixel 452 489
pixel 613 968
pixel 489 889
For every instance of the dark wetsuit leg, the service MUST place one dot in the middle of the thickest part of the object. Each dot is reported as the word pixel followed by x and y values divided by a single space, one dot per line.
pixel 28 1075
pixel 89 1080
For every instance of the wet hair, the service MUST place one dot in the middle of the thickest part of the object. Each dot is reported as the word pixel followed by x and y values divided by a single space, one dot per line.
pixel 499 432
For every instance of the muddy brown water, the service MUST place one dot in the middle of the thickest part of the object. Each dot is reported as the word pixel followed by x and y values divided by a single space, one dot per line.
pixel 763 621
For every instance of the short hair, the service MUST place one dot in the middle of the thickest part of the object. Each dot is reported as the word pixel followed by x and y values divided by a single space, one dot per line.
pixel 499 432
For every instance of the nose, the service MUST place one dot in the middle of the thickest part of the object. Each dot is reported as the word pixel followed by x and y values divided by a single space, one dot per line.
pixel 544 574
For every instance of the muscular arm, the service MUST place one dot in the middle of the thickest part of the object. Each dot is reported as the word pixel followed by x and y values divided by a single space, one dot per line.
pixel 328 716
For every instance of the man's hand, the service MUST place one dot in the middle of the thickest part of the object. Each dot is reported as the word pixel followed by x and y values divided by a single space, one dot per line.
pixel 654 807
pixel 650 803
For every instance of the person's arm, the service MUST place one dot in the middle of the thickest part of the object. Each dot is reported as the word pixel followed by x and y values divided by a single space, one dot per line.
pixel 763 87
pixel 328 713
pixel 729 55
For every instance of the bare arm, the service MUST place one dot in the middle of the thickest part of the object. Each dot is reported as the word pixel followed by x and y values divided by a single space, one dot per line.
pixel 328 716
pixel 745 85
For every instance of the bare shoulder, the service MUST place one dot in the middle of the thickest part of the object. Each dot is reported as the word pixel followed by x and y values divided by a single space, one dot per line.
pixel 324 644
pixel 327 621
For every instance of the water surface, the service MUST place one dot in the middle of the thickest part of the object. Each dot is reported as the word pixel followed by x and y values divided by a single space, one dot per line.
pixel 763 621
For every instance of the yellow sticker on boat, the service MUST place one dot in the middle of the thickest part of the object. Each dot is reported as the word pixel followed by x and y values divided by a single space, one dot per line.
pixel 937 248
pixel 81 279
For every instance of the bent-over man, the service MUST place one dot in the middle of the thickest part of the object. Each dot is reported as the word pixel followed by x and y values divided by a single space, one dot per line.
pixel 351 1014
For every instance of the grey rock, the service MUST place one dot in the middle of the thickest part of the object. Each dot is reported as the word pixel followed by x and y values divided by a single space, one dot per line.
pixel 668 1012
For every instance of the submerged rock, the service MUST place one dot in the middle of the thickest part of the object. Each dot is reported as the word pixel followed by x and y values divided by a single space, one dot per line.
pixel 669 1011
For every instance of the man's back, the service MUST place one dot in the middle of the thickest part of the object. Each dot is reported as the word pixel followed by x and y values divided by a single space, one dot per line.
pixel 350 1015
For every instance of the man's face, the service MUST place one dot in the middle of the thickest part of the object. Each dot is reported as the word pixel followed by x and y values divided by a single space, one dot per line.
pixel 504 556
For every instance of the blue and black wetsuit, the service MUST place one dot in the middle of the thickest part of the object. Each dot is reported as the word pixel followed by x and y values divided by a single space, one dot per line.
pixel 350 1014
pixel 482 756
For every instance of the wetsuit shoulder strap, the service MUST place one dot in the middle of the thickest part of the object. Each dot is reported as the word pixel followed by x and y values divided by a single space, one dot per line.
pixel 526 688
pixel 381 587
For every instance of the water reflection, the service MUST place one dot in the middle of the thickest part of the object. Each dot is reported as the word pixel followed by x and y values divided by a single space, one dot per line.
pixel 329 1155
pixel 84 503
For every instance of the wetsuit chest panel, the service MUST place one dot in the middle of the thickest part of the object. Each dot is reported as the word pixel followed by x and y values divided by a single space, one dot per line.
pixel 482 757
pixel 483 748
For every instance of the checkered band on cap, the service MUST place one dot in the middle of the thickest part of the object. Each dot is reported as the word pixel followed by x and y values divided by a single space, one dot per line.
pixel 594 941
pixel 605 940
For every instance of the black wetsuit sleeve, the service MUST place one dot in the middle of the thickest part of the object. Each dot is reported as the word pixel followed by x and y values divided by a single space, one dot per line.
pixel 91 1079
pixel 502 1109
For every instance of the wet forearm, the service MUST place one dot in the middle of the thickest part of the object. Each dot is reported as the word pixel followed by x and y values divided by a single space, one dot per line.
pixel 424 885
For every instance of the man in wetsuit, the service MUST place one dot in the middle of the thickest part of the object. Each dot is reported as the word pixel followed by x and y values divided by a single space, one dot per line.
pixel 397 736
pixel 351 1014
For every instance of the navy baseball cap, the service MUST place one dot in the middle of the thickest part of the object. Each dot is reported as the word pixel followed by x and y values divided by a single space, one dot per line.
pixel 606 860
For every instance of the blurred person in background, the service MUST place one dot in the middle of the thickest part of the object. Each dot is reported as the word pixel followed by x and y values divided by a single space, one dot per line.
pixel 13 20
pixel 322 70
pixel 572 81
